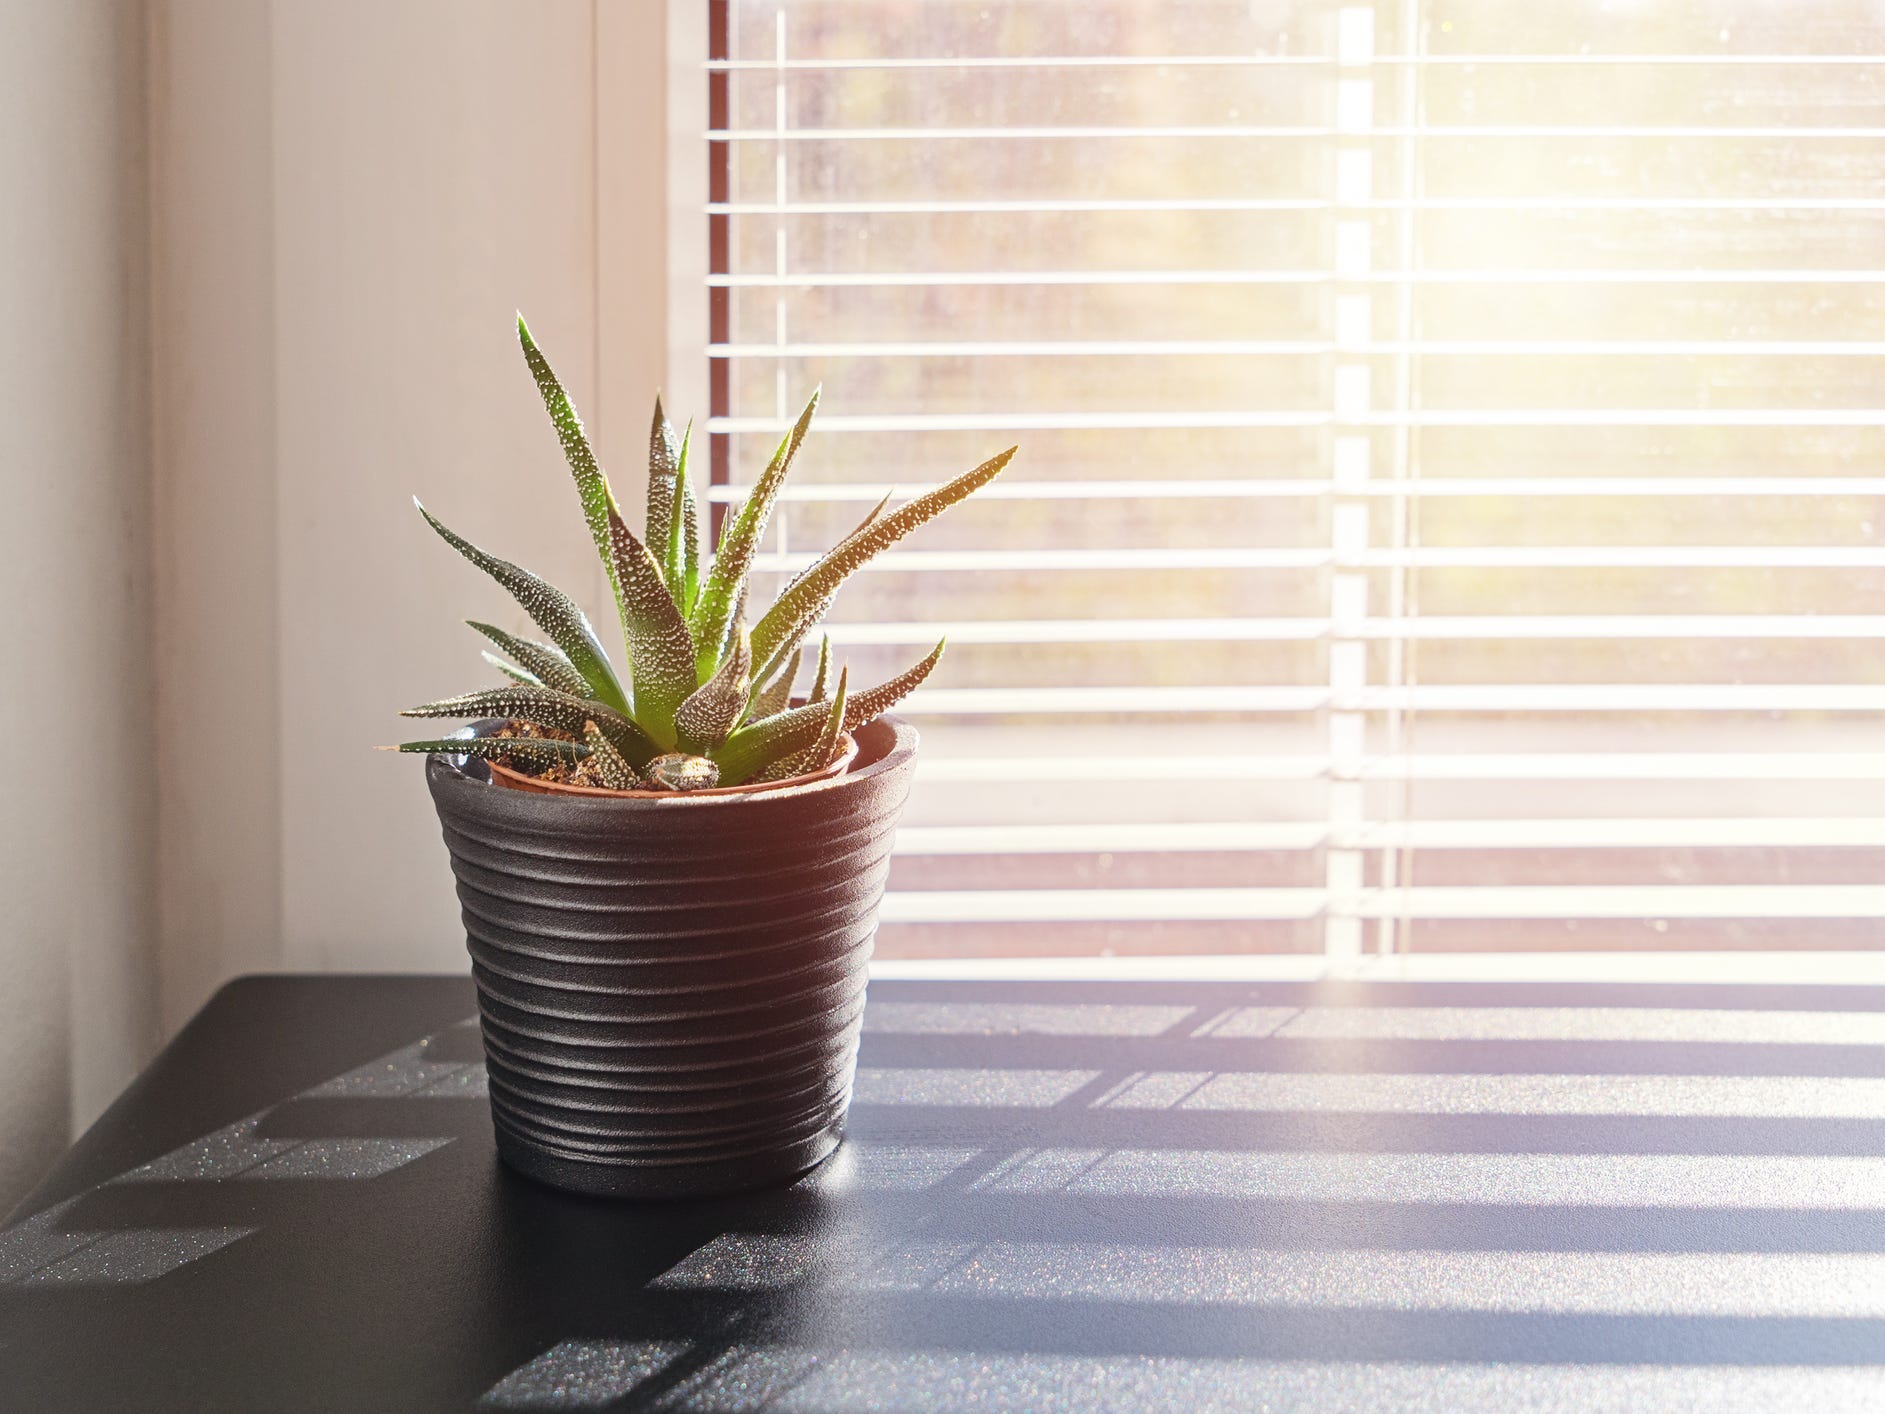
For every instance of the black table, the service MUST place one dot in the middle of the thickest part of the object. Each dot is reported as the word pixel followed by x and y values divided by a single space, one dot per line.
pixel 1055 1195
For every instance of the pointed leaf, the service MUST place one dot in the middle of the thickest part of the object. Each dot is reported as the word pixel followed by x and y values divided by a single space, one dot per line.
pixel 773 694
pixel 811 621
pixel 515 674
pixel 784 769
pixel 825 750
pixel 664 459
pixel 738 622
pixel 690 530
pixel 821 681
pixel 540 660
pixel 658 641
pixel 799 605
pixel 739 543
pixel 759 743
pixel 550 609
pixel 611 765
pixel 789 650
pixel 539 749
pixel 869 519
pixel 544 707
pixel 590 484
pixel 822 752
pixel 713 711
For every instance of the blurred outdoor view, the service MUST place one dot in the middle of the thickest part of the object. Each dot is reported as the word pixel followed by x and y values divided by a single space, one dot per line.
pixel 1448 515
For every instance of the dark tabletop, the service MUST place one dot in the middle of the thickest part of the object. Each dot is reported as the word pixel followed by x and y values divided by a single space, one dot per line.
pixel 1069 1195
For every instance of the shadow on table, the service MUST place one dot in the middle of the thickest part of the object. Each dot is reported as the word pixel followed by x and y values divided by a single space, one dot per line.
pixel 1083 1193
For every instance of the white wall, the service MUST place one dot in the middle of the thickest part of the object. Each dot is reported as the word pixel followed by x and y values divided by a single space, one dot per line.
pixel 213 448
pixel 77 999
pixel 352 199
pixel 220 595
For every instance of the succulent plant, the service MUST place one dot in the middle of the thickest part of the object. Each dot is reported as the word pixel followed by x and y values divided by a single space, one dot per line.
pixel 705 699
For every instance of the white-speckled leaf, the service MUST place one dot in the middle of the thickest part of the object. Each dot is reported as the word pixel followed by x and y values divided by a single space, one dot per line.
pixel 822 752
pixel 821 679
pixel 825 750
pixel 540 660
pixel 772 693
pixel 510 670
pixel 485 748
pixel 804 601
pixel 760 743
pixel 664 460
pixel 610 764
pixel 870 519
pixel 658 641
pixel 737 546
pixel 690 530
pixel 550 609
pixel 812 620
pixel 544 707
pixel 714 710
pixel 591 485
pixel 791 650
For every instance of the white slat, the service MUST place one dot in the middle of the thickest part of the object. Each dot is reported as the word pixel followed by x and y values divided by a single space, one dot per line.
pixel 1684 275
pixel 1803 901
pixel 1523 627
pixel 1116 132
pixel 1239 348
pixel 1205 419
pixel 1159 61
pixel 1222 488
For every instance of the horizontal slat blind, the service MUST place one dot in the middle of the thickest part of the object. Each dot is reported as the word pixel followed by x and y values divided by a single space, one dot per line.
pixel 1448 516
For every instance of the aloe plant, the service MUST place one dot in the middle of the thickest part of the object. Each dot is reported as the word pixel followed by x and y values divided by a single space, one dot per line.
pixel 704 699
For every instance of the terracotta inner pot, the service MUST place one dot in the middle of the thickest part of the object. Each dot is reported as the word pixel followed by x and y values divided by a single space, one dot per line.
pixel 517 780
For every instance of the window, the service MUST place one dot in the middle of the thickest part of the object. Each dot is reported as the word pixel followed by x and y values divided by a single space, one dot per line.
pixel 1448 514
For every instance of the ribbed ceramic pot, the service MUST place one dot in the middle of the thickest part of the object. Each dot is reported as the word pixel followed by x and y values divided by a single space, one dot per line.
pixel 672 988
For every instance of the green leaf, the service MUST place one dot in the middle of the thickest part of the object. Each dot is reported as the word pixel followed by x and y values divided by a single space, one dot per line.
pixel 551 610
pixel 821 681
pixel 659 644
pixel 822 752
pixel 784 769
pixel 825 750
pixel 664 460
pixel 803 602
pixel 543 707
pixel 738 545
pixel 760 743
pixel 591 485
pixel 870 517
pixel 812 620
pixel 542 749
pixel 690 530
pixel 771 695
pixel 862 525
pixel 540 660
pixel 714 710
pixel 785 658
pixel 515 674
pixel 738 622
pixel 611 765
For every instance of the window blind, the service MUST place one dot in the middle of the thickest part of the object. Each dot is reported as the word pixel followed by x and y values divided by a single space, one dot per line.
pixel 1448 513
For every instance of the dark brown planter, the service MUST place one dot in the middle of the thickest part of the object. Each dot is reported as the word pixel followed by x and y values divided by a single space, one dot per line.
pixel 671 987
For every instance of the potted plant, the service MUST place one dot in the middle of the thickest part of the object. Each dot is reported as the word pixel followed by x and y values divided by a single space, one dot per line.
pixel 670 875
